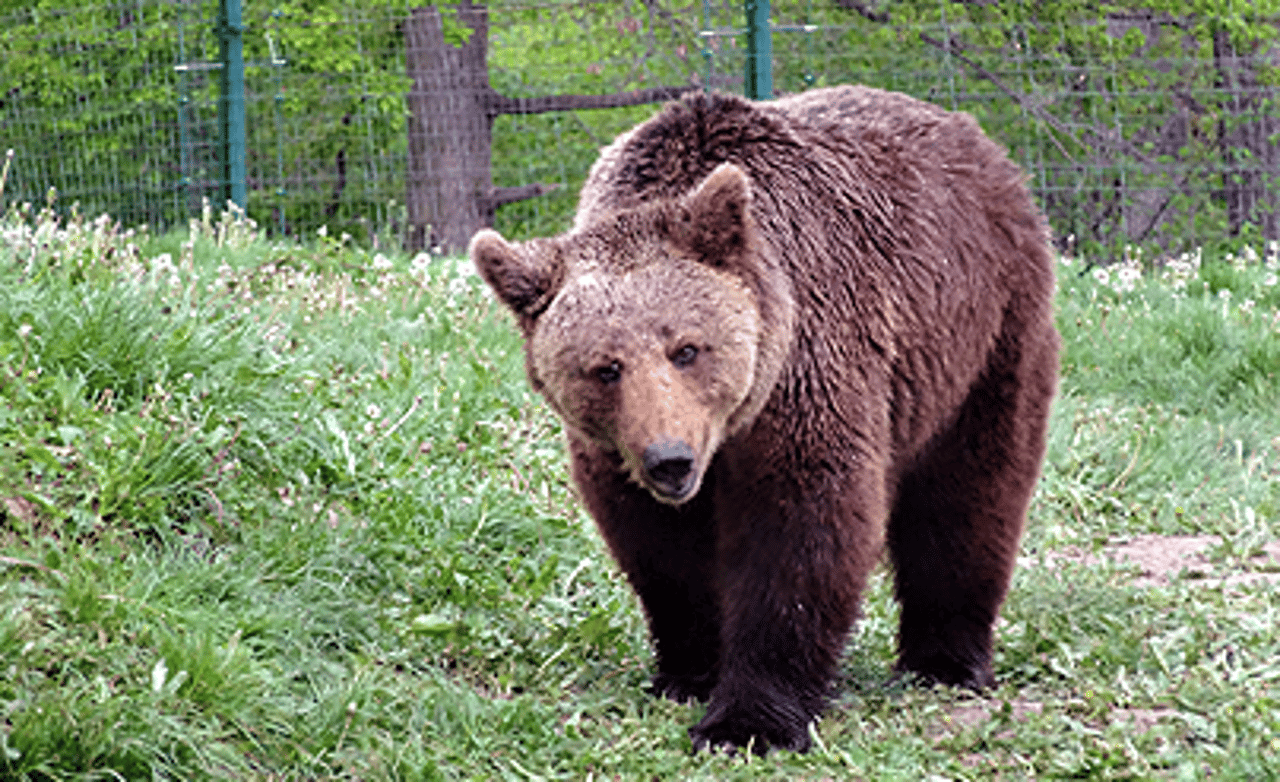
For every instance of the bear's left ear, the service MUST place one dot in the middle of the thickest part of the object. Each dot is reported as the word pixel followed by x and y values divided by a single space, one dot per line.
pixel 715 216
pixel 525 278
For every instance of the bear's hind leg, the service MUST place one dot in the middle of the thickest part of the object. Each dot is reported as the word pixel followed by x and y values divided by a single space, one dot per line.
pixel 954 530
pixel 668 556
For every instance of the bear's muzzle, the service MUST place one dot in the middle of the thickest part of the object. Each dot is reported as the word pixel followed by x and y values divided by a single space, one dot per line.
pixel 668 466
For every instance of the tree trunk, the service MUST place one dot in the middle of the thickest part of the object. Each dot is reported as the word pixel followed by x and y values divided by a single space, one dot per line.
pixel 1245 137
pixel 449 129
pixel 451 111
pixel 1161 132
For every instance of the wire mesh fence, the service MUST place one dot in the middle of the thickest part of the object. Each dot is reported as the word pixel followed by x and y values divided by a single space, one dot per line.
pixel 1137 127
pixel 115 106
pixel 384 119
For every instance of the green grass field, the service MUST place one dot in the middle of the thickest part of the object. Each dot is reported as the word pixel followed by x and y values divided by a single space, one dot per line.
pixel 283 513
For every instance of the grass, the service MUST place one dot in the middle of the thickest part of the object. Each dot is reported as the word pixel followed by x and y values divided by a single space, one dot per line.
pixel 281 512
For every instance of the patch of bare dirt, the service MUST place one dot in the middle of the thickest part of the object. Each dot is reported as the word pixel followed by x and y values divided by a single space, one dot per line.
pixel 21 509
pixel 1160 559
pixel 960 717
pixel 971 714
pixel 15 512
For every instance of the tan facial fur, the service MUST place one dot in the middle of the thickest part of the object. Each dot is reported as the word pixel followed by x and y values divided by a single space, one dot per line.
pixel 645 330
pixel 662 354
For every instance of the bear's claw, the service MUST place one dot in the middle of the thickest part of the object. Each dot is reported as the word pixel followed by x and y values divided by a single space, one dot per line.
pixel 761 728
pixel 973 674
pixel 683 688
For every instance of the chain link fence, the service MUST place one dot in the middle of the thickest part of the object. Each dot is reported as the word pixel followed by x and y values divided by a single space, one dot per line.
pixel 1154 128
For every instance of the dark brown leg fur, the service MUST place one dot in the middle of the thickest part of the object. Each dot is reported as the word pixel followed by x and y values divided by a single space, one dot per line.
pixel 668 555
pixel 953 534
pixel 794 555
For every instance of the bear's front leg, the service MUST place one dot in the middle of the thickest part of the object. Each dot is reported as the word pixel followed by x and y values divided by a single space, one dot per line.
pixel 668 555
pixel 794 555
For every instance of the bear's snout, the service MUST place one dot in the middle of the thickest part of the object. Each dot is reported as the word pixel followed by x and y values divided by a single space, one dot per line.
pixel 668 465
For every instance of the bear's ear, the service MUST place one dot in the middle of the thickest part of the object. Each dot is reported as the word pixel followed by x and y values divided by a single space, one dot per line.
pixel 524 278
pixel 715 215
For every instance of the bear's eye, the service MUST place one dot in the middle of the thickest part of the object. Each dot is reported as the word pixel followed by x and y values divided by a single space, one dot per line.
pixel 684 356
pixel 610 373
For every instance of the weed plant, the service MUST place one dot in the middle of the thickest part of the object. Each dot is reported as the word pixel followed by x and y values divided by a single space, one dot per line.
pixel 282 512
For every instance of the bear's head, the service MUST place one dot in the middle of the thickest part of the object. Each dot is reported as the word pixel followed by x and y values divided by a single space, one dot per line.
pixel 655 332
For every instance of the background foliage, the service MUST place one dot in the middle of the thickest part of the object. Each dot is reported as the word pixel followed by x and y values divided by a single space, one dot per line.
pixel 1148 123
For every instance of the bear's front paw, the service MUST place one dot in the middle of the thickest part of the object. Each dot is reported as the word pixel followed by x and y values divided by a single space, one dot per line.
pixel 683 688
pixel 762 726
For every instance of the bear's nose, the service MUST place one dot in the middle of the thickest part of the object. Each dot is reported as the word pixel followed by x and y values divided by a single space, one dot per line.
pixel 669 464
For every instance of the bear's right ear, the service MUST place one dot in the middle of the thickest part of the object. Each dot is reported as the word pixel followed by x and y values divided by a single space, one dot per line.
pixel 524 280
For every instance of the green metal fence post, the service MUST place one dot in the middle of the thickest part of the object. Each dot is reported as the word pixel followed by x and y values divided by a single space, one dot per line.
pixel 230 32
pixel 759 77
pixel 278 62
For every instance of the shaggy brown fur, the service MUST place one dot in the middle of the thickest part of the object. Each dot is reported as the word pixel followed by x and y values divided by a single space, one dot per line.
pixel 781 335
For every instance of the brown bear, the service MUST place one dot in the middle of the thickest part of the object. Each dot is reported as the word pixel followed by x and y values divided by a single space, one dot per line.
pixel 782 335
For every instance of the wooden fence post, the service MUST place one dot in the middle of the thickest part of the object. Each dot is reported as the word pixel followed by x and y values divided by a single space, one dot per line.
pixel 451 111
pixel 449 129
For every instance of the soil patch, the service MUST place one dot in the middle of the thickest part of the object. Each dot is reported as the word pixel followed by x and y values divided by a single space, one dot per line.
pixel 971 714
pixel 1158 560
